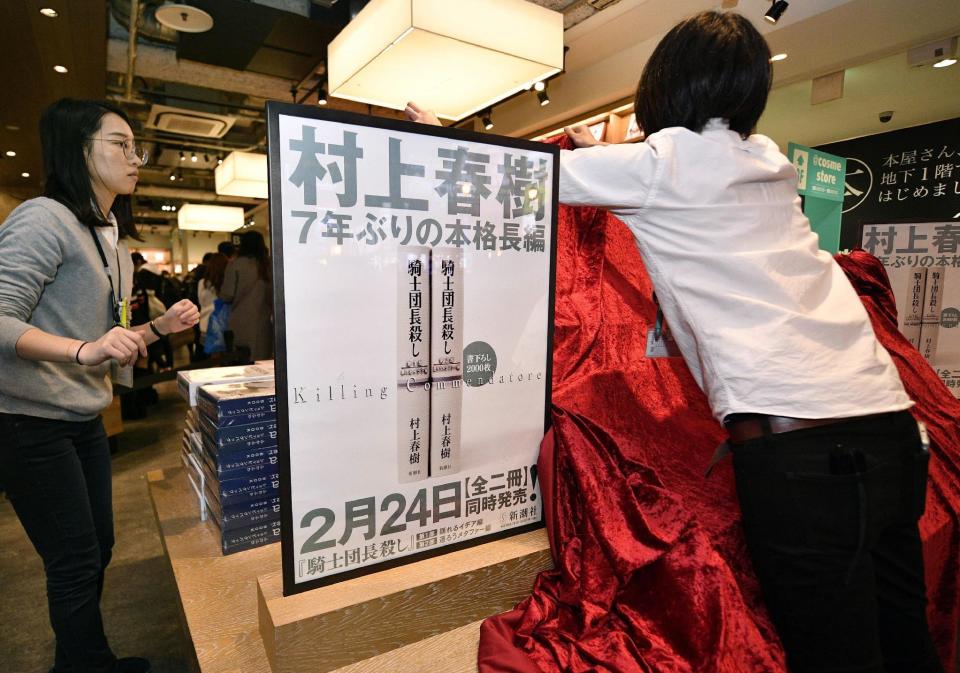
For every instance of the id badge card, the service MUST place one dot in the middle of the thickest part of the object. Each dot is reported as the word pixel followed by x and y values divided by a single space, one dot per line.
pixel 661 345
pixel 122 376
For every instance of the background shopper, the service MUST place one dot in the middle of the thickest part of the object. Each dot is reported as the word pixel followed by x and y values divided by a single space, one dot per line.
pixel 65 282
pixel 247 288
pixel 208 290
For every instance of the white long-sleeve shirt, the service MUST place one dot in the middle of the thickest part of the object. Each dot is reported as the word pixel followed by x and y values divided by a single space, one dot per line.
pixel 765 320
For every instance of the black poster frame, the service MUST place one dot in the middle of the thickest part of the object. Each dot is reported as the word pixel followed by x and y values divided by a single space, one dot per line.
pixel 274 110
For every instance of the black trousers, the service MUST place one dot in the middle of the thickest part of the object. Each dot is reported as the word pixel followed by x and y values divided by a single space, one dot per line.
pixel 830 515
pixel 57 475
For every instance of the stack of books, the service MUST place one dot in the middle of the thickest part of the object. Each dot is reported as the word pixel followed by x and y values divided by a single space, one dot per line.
pixel 237 447
pixel 190 381
pixel 230 450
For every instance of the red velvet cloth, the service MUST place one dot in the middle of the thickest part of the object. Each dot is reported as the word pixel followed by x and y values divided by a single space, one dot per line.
pixel 940 411
pixel 651 571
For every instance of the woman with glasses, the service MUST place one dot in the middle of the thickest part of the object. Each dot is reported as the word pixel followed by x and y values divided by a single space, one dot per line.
pixel 65 283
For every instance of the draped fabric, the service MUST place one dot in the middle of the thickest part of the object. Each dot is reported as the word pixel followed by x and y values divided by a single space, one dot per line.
pixel 651 569
pixel 940 411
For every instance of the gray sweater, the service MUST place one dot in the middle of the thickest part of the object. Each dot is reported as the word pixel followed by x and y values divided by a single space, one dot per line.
pixel 51 278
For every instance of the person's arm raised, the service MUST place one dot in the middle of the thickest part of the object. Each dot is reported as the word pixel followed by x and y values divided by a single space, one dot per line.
pixel 181 316
pixel 580 136
pixel 420 115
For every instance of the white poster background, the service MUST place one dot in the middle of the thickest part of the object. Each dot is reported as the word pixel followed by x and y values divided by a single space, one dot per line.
pixel 341 314
pixel 912 253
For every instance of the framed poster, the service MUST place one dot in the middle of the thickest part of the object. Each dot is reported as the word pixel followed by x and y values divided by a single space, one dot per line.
pixel 922 261
pixel 413 286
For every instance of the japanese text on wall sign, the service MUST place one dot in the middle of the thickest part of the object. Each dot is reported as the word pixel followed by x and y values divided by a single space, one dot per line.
pixel 920 174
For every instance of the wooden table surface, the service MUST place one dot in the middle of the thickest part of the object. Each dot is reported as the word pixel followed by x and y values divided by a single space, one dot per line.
pixel 218 596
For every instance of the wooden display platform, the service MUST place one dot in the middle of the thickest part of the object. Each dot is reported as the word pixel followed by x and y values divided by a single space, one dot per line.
pixel 381 623
pixel 398 607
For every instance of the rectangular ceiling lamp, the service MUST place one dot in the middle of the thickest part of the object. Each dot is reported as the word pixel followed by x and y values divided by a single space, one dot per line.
pixel 242 174
pixel 455 57
pixel 202 217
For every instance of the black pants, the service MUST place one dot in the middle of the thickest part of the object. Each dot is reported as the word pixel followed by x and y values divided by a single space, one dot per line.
pixel 830 515
pixel 57 475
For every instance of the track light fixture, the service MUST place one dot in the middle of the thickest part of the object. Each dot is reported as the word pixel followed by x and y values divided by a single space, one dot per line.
pixel 172 177
pixel 487 119
pixel 193 157
pixel 206 158
pixel 540 86
pixel 219 159
pixel 182 158
pixel 322 94
pixel 776 10
pixel 543 98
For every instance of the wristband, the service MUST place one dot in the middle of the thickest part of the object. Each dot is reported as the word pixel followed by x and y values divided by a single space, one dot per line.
pixel 153 328
pixel 77 355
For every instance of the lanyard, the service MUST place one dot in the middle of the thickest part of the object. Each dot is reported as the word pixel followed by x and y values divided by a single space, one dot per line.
pixel 658 327
pixel 118 319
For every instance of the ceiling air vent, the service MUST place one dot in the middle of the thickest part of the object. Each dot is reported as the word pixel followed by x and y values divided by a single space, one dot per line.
pixel 189 122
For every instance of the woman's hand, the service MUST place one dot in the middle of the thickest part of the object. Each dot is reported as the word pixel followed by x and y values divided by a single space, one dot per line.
pixel 181 316
pixel 415 114
pixel 122 345
pixel 581 136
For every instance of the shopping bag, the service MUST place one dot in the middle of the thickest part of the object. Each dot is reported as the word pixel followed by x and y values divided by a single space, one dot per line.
pixel 218 324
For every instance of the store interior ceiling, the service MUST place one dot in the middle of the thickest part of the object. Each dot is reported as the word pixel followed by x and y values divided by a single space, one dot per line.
pixel 202 94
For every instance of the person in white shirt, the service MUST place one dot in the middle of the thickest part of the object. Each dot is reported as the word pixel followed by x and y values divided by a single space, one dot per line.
pixel 830 467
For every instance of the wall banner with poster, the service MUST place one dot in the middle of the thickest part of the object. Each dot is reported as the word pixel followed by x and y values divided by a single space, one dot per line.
pixel 413 288
pixel 922 260
pixel 910 174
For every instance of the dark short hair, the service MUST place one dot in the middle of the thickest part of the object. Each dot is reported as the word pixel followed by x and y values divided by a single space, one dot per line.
pixel 226 248
pixel 252 245
pixel 711 65
pixel 66 128
pixel 206 257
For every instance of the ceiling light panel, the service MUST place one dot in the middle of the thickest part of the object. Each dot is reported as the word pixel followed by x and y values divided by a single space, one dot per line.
pixel 201 217
pixel 476 53
pixel 242 174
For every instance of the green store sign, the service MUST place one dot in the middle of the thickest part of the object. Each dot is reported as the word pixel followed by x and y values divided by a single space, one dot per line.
pixel 819 174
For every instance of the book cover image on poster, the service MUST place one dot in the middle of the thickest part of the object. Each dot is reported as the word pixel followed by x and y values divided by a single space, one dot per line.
pixel 403 255
pixel 924 271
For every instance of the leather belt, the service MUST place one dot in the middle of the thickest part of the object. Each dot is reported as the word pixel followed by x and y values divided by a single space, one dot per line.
pixel 751 426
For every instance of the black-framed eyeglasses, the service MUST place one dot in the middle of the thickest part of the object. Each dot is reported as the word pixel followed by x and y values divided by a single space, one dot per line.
pixel 129 147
